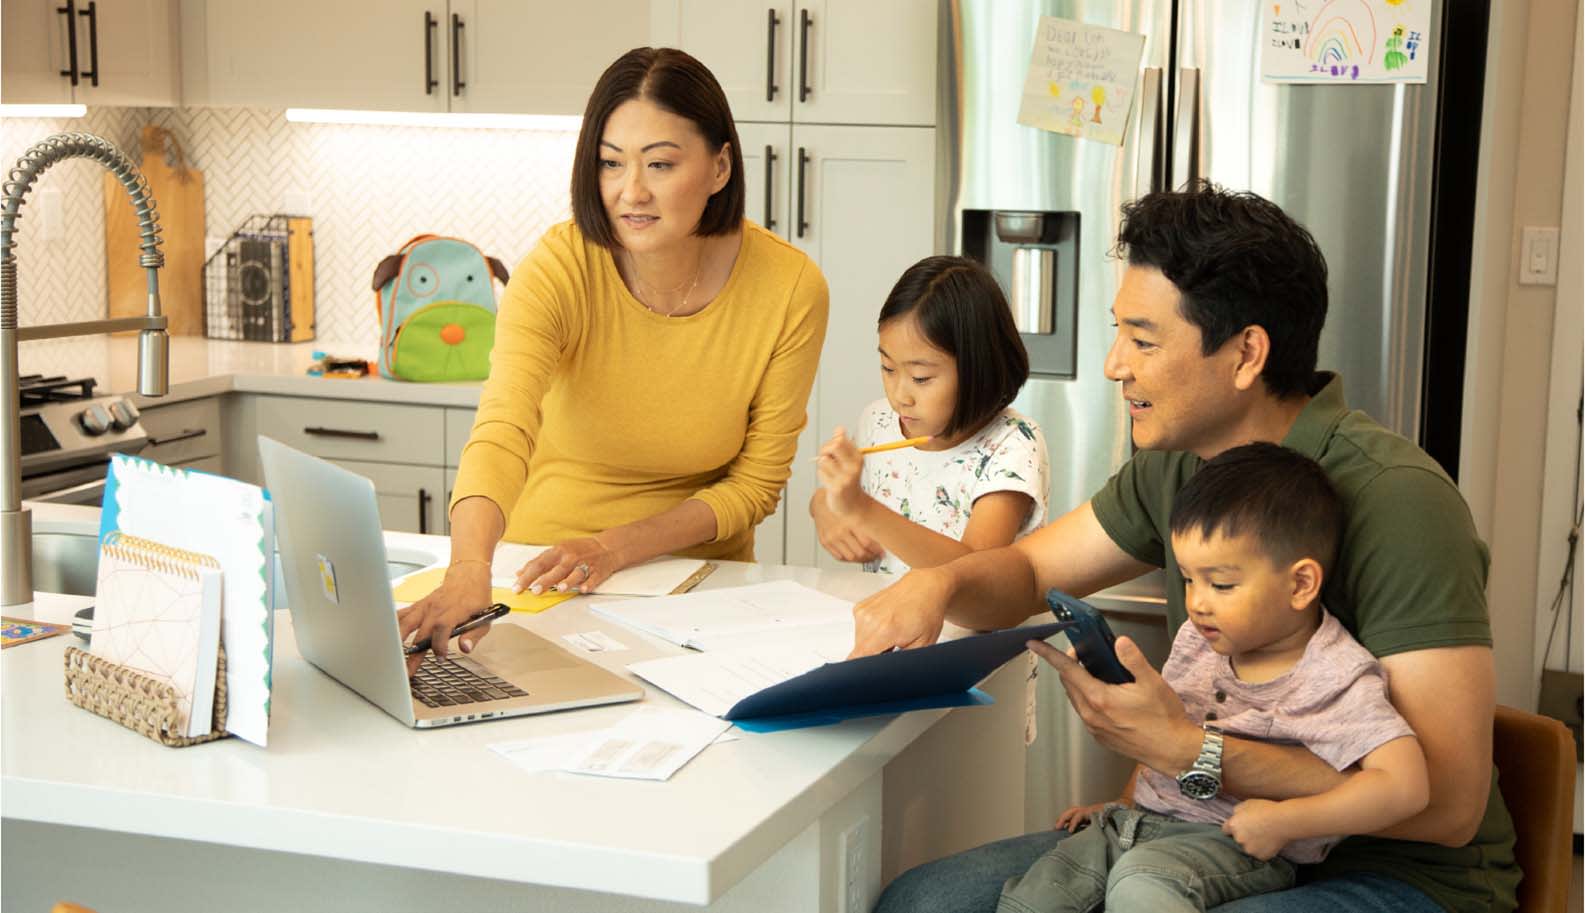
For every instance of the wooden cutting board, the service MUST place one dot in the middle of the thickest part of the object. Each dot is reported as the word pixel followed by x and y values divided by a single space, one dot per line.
pixel 178 190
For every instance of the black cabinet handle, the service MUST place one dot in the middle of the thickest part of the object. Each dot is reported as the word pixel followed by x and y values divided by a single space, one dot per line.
pixel 430 82
pixel 803 55
pixel 92 15
pixel 185 435
pixel 423 511
pixel 338 432
pixel 770 55
pixel 803 163
pixel 770 184
pixel 70 12
pixel 457 85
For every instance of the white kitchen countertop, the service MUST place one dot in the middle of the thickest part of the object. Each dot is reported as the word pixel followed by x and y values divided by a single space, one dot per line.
pixel 207 367
pixel 341 779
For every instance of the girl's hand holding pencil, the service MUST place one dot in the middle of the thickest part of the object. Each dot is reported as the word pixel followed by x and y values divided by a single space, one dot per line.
pixel 840 466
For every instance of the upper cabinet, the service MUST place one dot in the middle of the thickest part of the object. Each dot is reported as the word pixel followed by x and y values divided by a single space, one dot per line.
pixel 816 61
pixel 496 56
pixel 93 52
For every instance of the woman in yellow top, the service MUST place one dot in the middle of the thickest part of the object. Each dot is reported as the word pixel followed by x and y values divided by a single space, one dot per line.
pixel 653 358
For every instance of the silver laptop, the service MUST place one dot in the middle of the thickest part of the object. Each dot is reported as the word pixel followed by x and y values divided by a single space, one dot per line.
pixel 333 557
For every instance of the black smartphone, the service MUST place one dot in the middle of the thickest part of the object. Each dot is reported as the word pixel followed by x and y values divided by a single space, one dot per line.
pixel 1090 636
pixel 480 617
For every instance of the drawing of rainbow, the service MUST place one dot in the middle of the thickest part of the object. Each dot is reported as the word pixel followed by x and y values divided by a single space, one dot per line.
pixel 1335 33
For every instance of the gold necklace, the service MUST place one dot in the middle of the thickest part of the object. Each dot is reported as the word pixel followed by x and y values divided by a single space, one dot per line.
pixel 698 272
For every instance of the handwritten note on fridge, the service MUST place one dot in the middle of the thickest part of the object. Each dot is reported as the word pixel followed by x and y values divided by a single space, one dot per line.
pixel 1081 80
pixel 1345 42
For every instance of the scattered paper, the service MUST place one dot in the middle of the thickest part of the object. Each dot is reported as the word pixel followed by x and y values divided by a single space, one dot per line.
pixel 1347 42
pixel 594 642
pixel 657 577
pixel 652 743
pixel 547 752
pixel 716 681
pixel 735 616
pixel 1081 80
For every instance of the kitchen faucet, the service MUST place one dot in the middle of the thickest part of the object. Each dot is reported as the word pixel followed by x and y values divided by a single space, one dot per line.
pixel 16 525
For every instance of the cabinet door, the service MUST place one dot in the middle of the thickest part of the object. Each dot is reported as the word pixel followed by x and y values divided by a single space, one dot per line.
pixel 865 62
pixel 314 54
pixel 868 214
pixel 33 53
pixel 541 57
pixel 767 162
pixel 747 46
pixel 412 499
pixel 130 45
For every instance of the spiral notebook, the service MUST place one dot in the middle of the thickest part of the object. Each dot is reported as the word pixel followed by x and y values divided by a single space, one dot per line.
pixel 157 610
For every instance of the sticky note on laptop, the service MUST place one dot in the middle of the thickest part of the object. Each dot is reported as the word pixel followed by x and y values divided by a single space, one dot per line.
pixel 416 586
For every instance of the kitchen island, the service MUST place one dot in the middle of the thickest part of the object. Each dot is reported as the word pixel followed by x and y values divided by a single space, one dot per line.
pixel 349 810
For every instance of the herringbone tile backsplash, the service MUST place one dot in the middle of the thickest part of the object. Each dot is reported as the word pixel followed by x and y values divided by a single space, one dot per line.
pixel 368 188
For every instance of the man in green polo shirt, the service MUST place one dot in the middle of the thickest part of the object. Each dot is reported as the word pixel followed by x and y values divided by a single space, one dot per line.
pixel 1218 320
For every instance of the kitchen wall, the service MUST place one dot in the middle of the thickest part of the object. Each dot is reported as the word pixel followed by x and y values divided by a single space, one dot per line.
pixel 1531 85
pixel 369 189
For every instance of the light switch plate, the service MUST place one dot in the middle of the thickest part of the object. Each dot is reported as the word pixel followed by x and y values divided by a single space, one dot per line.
pixel 1538 253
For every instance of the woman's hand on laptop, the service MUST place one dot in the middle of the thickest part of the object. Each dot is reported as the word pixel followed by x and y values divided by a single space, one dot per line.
pixel 465 589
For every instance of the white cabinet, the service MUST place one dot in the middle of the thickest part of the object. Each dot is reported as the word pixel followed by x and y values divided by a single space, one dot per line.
pixel 94 52
pixel 539 57
pixel 500 56
pixel 867 198
pixel 390 55
pixel 816 61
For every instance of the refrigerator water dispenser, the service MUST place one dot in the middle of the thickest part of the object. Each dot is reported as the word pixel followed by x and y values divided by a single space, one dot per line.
pixel 1034 256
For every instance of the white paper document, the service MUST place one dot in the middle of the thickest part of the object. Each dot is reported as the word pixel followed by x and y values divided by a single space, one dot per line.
pixel 717 680
pixel 652 743
pixel 656 577
pixel 734 617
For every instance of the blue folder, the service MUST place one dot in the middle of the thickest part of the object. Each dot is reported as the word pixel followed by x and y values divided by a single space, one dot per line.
pixel 940 675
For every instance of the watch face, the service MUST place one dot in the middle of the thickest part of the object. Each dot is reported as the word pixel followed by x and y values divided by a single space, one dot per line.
pixel 1197 784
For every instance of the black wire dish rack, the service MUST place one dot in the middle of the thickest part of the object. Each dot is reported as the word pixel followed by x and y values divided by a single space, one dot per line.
pixel 259 286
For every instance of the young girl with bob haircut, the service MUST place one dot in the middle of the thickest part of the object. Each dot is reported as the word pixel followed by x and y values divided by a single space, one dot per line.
pixel 951 363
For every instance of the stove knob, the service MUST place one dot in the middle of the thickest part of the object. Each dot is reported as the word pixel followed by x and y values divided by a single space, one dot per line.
pixel 123 415
pixel 94 421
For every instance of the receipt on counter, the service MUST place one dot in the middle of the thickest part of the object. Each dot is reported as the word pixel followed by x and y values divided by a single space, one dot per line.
pixel 652 743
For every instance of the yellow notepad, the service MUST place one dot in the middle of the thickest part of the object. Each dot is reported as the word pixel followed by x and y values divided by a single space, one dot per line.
pixel 423 583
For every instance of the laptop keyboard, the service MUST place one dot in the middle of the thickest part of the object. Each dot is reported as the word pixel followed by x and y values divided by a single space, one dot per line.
pixel 444 683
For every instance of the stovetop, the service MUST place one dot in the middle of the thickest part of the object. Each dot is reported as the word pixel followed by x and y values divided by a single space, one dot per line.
pixel 65 425
pixel 36 389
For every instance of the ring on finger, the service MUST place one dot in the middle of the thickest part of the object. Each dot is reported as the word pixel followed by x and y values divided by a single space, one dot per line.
pixel 585 568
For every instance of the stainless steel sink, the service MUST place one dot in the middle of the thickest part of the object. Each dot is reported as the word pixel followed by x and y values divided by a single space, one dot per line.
pixel 68 562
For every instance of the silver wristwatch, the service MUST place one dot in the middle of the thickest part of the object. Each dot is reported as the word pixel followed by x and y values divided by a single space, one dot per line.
pixel 1204 780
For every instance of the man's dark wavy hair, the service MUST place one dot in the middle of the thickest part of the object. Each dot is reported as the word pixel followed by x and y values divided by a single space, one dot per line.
pixel 1238 260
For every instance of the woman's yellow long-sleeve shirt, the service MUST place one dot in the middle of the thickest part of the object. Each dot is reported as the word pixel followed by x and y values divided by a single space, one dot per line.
pixel 599 412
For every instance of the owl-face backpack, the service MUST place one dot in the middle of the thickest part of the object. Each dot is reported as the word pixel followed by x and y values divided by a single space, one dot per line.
pixel 436 301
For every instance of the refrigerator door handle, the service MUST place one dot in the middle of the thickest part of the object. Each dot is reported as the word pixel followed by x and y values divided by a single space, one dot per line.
pixel 1147 172
pixel 1186 129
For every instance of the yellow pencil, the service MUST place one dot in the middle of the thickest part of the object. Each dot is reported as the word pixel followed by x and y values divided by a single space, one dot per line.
pixel 895 445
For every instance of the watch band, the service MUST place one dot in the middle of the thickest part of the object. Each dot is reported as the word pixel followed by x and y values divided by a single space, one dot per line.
pixel 1210 759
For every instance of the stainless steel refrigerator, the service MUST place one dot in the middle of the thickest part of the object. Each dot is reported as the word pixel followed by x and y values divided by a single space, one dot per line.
pixel 1382 175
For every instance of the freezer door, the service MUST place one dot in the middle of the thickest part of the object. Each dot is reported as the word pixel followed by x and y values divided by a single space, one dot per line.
pixel 1352 163
pixel 992 162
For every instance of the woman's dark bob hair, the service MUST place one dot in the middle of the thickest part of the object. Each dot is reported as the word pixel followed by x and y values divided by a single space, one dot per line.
pixel 962 312
pixel 680 84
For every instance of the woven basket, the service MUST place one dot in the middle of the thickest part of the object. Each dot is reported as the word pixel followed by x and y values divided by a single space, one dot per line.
pixel 135 700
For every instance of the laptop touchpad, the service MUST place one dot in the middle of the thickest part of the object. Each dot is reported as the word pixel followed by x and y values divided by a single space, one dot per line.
pixel 514 653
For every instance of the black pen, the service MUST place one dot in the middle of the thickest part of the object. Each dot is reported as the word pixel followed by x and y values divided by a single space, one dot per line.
pixel 483 616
